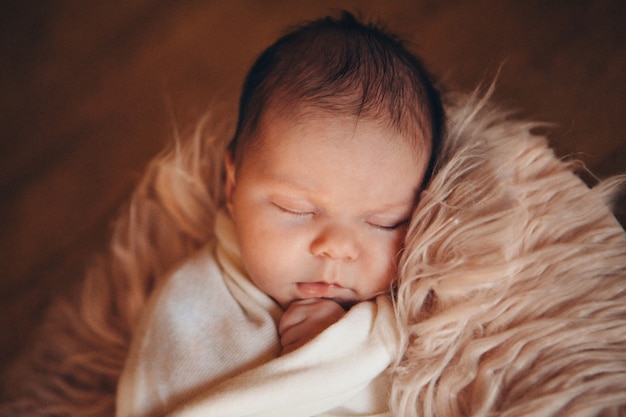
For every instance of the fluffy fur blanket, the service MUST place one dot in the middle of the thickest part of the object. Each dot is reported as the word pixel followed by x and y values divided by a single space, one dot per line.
pixel 511 299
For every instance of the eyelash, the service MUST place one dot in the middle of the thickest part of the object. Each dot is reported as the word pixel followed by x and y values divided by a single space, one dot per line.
pixel 389 228
pixel 308 213
pixel 292 212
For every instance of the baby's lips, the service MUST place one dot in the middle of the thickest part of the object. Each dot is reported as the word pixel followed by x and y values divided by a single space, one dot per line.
pixel 341 295
pixel 318 289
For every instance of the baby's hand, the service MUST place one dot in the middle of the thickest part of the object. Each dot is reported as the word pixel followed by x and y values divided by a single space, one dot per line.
pixel 305 319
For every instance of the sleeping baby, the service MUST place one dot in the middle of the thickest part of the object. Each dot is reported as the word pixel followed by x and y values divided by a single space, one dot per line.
pixel 288 311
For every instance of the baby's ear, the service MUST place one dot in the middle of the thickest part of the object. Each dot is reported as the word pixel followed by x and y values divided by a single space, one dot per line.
pixel 229 185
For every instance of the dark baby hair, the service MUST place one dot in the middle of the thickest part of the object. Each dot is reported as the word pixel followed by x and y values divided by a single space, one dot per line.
pixel 345 67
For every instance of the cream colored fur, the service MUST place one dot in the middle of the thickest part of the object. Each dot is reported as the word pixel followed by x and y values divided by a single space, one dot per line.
pixel 512 294
pixel 73 368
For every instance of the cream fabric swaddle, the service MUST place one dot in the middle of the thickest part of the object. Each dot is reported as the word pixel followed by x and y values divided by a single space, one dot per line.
pixel 208 346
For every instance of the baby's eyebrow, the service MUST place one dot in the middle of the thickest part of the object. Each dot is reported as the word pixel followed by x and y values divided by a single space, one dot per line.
pixel 283 179
pixel 405 203
pixel 404 207
pixel 290 186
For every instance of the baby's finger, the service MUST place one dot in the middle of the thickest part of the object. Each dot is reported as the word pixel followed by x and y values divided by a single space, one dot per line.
pixel 294 315
pixel 315 309
pixel 299 334
pixel 292 339
pixel 305 319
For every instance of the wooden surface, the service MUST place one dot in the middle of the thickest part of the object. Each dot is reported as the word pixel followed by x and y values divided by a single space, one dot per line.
pixel 90 91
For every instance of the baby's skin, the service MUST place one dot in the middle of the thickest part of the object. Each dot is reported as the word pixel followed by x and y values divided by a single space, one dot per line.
pixel 305 319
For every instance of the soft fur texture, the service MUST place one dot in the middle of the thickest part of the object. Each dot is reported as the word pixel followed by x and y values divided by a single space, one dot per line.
pixel 512 292
pixel 513 284
pixel 73 368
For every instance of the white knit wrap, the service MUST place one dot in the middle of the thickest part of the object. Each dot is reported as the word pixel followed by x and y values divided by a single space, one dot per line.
pixel 208 345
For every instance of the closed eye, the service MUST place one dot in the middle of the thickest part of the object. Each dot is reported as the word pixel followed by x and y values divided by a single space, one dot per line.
pixel 389 228
pixel 292 211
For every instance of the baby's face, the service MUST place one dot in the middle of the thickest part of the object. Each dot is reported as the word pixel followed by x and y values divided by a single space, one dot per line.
pixel 321 207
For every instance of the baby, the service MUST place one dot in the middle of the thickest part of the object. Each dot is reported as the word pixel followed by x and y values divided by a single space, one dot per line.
pixel 334 139
pixel 338 125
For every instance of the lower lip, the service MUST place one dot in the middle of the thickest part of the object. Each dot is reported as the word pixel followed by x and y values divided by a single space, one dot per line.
pixel 318 289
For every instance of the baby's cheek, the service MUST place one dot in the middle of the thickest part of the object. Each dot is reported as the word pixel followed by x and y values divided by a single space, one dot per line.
pixel 382 270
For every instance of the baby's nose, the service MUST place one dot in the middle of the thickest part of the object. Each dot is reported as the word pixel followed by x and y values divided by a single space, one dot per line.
pixel 336 242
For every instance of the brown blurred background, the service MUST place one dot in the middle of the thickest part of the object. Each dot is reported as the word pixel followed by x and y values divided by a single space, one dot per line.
pixel 90 91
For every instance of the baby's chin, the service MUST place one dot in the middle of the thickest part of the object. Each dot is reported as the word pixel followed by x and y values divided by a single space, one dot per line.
pixel 343 296
pixel 345 304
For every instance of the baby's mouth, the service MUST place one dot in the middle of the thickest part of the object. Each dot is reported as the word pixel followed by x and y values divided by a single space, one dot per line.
pixel 318 289
pixel 322 289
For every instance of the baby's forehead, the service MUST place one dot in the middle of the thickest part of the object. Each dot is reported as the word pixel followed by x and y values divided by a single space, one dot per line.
pixel 331 129
pixel 305 116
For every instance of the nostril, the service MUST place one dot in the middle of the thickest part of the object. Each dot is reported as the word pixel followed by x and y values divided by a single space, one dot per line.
pixel 336 243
